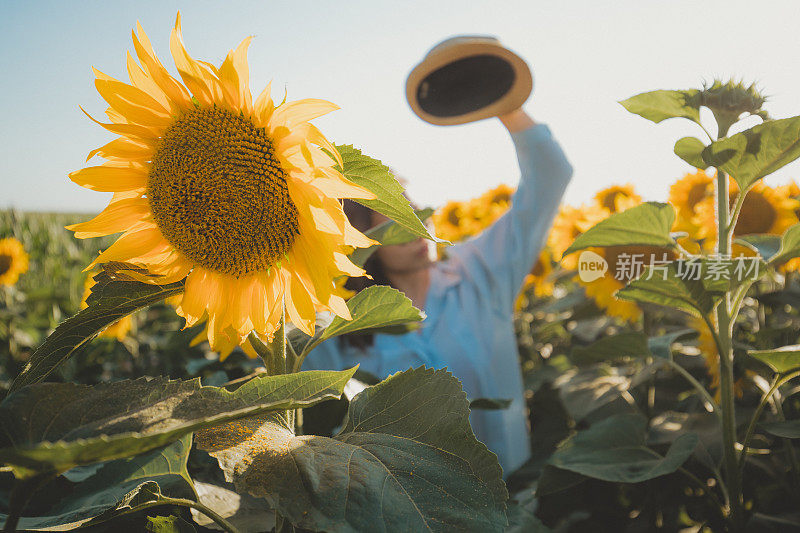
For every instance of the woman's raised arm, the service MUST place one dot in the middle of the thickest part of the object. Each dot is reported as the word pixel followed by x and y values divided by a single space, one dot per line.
pixel 501 256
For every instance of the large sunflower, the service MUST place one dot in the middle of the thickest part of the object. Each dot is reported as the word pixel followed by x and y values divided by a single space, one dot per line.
pixel 236 195
pixel 13 260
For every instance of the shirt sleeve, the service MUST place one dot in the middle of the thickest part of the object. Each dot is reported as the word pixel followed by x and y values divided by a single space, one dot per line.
pixel 503 254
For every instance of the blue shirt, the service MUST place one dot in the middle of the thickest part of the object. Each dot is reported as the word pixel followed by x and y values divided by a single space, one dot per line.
pixel 470 302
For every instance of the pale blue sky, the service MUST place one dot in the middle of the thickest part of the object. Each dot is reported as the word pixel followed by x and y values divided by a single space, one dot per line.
pixel 585 56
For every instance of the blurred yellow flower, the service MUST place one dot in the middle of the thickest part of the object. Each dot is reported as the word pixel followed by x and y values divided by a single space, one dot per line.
pixel 456 221
pixel 791 190
pixel 765 210
pixel 617 198
pixel 602 292
pixel 684 195
pixel 624 264
pixel 447 221
pixel 568 224
pixel 119 329
pixel 500 195
pixel 708 349
pixel 538 282
pixel 13 260
pixel 238 196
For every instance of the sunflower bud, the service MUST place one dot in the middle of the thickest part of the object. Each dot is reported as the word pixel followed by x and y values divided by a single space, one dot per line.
pixel 728 101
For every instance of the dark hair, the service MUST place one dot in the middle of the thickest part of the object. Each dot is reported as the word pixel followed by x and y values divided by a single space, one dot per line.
pixel 360 217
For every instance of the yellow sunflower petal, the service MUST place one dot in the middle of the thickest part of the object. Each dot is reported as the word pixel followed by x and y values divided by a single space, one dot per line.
pixel 193 303
pixel 171 88
pixel 235 75
pixel 346 266
pixel 131 245
pixel 123 149
pixel 132 131
pixel 114 91
pixel 339 307
pixel 299 306
pixel 115 218
pixel 264 106
pixel 293 113
pixel 140 79
pixel 192 73
pixel 338 188
pixel 110 179
pixel 133 113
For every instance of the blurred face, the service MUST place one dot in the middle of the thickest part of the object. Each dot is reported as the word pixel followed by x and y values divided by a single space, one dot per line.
pixel 403 258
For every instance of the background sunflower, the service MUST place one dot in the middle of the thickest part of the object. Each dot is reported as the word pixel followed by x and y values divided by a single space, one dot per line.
pixel 684 195
pixel 13 260
pixel 766 210
pixel 617 197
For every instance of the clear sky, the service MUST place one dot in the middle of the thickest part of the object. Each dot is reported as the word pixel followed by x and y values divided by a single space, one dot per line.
pixel 585 56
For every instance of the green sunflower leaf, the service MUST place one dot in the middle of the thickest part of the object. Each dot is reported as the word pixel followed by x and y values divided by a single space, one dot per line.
pixel 757 152
pixel 789 247
pixel 373 175
pixel 92 498
pixel 406 460
pixel 376 309
pixel 490 404
pixel 614 450
pixel 661 345
pixel 781 360
pixel 626 345
pixel 169 524
pixel 765 244
pixel 53 427
pixel 390 232
pixel 111 299
pixel 661 105
pixel 788 429
pixel 690 149
pixel 647 224
pixel 670 288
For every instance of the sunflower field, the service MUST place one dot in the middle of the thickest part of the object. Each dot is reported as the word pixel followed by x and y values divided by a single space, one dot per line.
pixel 151 357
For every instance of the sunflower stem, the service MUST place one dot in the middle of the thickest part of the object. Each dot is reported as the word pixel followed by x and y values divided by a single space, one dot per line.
pixel 274 353
pixel 737 208
pixel 213 515
pixel 651 382
pixel 776 384
pixel 725 334
pixel 696 384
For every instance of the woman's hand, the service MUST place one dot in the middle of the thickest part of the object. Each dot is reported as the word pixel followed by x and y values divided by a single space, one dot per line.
pixel 517 120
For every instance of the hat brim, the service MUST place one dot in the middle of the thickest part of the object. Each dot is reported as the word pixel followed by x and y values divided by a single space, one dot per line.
pixel 509 93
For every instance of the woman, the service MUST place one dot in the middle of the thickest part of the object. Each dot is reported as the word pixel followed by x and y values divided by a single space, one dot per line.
pixel 469 297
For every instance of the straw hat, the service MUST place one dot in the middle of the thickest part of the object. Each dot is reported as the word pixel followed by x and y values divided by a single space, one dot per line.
pixel 467 78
